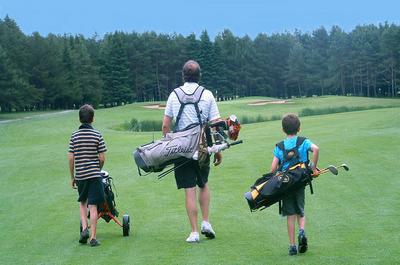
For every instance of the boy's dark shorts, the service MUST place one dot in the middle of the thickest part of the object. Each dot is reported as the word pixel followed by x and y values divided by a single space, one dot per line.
pixel 293 204
pixel 191 174
pixel 91 190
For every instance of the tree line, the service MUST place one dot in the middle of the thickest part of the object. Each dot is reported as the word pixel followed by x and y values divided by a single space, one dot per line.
pixel 64 71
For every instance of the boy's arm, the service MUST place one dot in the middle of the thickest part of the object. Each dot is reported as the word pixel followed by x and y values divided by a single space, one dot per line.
pixel 72 169
pixel 315 150
pixel 274 164
pixel 102 159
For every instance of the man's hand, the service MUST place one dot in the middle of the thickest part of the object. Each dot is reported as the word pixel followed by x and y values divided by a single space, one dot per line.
pixel 217 159
pixel 73 183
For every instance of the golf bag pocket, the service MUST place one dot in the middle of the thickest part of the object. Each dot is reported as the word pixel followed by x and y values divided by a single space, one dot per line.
pixel 155 156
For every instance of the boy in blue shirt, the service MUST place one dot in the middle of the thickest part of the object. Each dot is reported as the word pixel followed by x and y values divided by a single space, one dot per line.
pixel 293 204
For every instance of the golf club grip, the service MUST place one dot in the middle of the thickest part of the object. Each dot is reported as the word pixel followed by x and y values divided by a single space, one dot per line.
pixel 236 142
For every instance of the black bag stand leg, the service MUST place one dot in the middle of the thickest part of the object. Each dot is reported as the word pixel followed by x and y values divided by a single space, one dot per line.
pixel 311 188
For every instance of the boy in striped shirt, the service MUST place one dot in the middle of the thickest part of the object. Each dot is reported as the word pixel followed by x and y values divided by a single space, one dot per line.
pixel 86 158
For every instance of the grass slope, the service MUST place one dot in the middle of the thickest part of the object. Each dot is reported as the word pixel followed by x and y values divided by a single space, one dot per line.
pixel 351 218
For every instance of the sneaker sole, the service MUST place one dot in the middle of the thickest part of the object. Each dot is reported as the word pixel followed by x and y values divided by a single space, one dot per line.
pixel 303 246
pixel 208 234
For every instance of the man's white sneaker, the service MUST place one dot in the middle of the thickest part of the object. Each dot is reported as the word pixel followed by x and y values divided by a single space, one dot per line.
pixel 193 237
pixel 206 229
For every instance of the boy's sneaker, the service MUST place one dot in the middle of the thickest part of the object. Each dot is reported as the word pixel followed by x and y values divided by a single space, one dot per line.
pixel 84 236
pixel 302 242
pixel 206 229
pixel 193 237
pixel 292 250
pixel 94 242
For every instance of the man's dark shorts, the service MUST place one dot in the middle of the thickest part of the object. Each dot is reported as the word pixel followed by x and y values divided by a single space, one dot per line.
pixel 191 174
pixel 293 203
pixel 91 190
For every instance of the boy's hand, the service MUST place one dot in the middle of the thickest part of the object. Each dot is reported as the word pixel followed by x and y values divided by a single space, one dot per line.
pixel 73 183
pixel 315 172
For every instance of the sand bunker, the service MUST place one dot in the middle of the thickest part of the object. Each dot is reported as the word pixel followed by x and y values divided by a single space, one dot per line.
pixel 265 102
pixel 154 106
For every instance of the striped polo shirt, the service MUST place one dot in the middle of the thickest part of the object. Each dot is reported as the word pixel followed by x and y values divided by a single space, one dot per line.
pixel 86 144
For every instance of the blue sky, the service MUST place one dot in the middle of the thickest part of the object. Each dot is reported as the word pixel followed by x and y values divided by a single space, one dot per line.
pixel 179 16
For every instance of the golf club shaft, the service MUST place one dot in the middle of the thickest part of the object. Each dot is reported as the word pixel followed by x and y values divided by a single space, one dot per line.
pixel 236 142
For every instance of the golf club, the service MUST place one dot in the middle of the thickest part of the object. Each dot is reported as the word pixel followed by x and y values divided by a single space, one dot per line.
pixel 332 169
pixel 344 166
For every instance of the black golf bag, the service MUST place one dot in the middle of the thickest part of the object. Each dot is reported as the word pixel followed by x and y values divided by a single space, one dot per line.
pixel 273 187
pixel 109 204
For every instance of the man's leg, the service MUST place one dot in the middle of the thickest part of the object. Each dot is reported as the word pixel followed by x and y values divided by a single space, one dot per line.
pixel 191 207
pixel 204 200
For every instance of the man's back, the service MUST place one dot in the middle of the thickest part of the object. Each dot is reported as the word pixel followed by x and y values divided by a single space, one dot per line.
pixel 207 106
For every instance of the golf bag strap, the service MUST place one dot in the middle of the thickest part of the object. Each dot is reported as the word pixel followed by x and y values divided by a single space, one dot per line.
pixel 185 99
pixel 299 141
pixel 281 146
pixel 280 207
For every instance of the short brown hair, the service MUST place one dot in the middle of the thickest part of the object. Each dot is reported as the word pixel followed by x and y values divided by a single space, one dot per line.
pixel 191 71
pixel 290 124
pixel 86 114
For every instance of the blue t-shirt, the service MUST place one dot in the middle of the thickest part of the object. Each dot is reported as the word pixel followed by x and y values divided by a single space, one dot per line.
pixel 289 143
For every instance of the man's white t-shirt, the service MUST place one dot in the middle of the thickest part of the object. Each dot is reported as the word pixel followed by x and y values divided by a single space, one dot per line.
pixel 207 105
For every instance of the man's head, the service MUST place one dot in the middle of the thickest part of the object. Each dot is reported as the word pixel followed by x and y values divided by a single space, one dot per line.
pixel 291 124
pixel 86 113
pixel 191 71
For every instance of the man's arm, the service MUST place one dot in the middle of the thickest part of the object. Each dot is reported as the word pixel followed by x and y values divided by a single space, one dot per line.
pixel 217 156
pixel 71 168
pixel 166 124
pixel 102 159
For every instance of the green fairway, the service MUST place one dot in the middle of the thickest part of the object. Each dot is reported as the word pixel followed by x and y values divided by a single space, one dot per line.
pixel 351 219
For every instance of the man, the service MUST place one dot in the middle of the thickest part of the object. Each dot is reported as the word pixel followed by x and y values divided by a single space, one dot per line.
pixel 190 174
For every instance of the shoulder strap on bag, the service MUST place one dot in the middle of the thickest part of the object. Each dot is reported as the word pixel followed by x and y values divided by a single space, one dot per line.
pixel 186 99
pixel 286 158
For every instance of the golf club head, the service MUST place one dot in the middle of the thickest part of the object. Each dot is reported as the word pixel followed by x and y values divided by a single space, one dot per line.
pixel 345 167
pixel 333 169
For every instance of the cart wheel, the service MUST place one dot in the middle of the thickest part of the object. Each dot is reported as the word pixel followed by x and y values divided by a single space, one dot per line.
pixel 80 226
pixel 125 225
